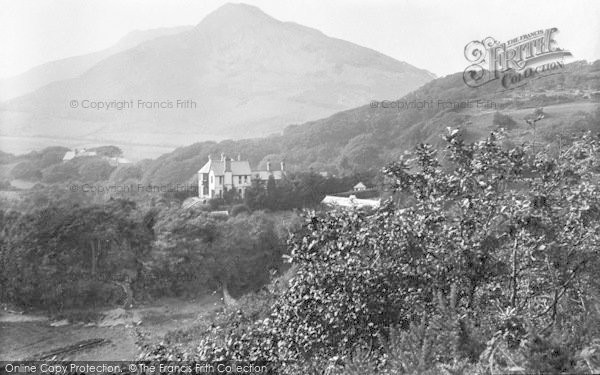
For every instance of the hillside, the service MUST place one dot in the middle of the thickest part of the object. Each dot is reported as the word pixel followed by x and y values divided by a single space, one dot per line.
pixel 248 74
pixel 364 138
pixel 71 67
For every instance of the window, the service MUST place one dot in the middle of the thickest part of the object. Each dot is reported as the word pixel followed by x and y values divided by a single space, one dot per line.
pixel 245 179
pixel 240 180
pixel 211 179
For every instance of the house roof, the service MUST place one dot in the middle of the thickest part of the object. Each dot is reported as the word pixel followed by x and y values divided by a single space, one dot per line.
pixel 351 201
pixel 191 202
pixel 264 175
pixel 360 185
pixel 238 167
pixel 69 155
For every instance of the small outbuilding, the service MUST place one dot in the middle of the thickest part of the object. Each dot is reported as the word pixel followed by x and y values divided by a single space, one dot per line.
pixel 359 187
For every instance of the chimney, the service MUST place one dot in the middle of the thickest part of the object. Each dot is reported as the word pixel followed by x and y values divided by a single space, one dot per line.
pixel 268 166
pixel 227 164
pixel 239 157
pixel 282 165
pixel 209 157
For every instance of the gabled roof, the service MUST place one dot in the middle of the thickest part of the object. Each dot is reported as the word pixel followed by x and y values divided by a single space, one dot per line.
pixel 238 167
pixel 69 155
pixel 264 175
pixel 211 165
pixel 360 185
pixel 241 167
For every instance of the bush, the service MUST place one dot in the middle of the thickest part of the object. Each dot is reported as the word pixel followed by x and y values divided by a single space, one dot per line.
pixel 239 209
pixel 26 170
pixel 92 169
pixel 215 203
pixel 503 121
pixel 498 246
pixel 127 173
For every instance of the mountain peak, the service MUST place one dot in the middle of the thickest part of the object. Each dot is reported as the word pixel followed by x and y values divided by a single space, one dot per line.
pixel 240 8
pixel 235 14
pixel 252 74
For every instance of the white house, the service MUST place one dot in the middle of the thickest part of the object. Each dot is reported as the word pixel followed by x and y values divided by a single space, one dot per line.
pixel 219 176
pixel 69 155
pixel 116 161
pixel 359 187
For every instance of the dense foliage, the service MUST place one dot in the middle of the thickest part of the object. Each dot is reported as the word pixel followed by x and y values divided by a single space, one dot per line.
pixel 194 253
pixel 66 254
pixel 299 190
pixel 483 263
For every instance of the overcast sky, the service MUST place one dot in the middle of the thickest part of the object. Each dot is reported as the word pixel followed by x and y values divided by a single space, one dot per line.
pixel 427 34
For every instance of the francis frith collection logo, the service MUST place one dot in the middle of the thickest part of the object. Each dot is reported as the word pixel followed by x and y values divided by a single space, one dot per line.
pixel 515 62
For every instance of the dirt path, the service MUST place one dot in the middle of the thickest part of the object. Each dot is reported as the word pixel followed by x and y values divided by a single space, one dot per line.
pixel 25 336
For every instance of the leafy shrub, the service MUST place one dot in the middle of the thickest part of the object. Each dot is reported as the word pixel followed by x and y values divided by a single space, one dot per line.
pixel 216 203
pixel 239 209
pixel 92 169
pixel 127 173
pixel 509 235
pixel 503 121
pixel 26 170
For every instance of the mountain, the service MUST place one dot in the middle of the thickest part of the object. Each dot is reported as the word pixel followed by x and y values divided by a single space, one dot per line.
pixel 366 138
pixel 72 67
pixel 363 139
pixel 249 74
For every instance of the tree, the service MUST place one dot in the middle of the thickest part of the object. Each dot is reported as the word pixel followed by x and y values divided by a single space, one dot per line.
pixel 93 169
pixel 108 151
pixel 512 235
pixel 67 255
pixel 360 153
pixel 195 253
pixel 26 170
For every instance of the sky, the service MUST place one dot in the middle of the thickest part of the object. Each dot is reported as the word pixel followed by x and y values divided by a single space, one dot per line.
pixel 425 33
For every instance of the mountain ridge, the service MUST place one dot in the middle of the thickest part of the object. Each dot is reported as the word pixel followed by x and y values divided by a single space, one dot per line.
pixel 248 79
pixel 69 67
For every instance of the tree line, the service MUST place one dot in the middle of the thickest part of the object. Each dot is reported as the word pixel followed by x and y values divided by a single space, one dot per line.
pixel 66 255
